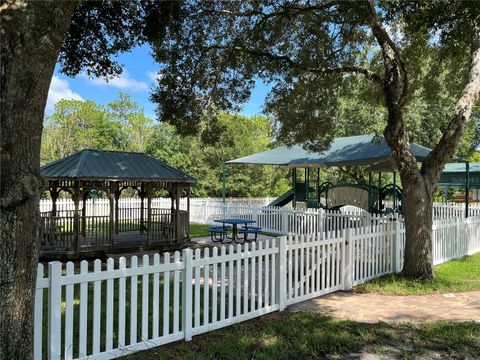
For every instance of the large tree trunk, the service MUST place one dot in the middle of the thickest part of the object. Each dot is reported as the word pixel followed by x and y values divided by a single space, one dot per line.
pixel 31 37
pixel 417 211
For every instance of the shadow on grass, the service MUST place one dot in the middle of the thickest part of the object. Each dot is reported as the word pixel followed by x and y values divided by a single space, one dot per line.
pixel 307 335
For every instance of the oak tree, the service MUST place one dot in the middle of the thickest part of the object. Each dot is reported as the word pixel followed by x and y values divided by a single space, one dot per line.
pixel 308 51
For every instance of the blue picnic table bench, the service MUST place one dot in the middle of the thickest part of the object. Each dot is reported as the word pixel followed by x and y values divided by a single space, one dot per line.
pixel 220 233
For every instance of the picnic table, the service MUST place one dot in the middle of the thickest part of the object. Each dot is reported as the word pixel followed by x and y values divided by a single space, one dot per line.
pixel 220 233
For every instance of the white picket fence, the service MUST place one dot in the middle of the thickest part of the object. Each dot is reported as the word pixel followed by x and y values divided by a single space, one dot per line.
pixel 279 220
pixel 455 238
pixel 447 211
pixel 198 206
pixel 106 310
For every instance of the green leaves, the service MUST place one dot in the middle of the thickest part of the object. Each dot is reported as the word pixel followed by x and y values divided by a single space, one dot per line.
pixel 221 138
pixel 77 125
pixel 99 30
pixel 307 50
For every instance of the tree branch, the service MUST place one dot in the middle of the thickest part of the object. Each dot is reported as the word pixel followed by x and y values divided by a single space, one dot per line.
pixel 369 74
pixel 396 91
pixel 447 145
pixel 386 42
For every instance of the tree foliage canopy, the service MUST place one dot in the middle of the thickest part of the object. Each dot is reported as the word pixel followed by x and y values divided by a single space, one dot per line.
pixel 76 125
pixel 99 30
pixel 310 52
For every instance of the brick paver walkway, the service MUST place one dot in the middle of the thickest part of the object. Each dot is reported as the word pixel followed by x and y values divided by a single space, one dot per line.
pixel 373 308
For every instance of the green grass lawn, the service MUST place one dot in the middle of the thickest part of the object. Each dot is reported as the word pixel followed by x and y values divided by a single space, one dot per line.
pixel 304 335
pixel 198 230
pixel 453 276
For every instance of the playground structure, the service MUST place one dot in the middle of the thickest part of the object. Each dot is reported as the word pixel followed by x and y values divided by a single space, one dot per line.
pixel 314 194
pixel 91 173
pixel 309 190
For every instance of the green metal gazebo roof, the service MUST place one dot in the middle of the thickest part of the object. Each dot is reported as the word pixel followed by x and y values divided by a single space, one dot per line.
pixel 344 151
pixel 113 165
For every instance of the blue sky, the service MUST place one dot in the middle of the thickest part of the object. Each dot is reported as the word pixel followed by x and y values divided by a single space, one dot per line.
pixel 137 79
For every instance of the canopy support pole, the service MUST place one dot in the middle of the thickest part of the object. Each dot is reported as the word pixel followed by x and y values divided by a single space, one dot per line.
pixel 294 184
pixel 467 188
pixel 379 205
pixel 370 205
pixel 188 209
pixel 318 188
pixel 394 191
pixel 224 182
pixel 307 185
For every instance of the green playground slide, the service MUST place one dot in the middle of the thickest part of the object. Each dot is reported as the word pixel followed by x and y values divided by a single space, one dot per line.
pixel 284 199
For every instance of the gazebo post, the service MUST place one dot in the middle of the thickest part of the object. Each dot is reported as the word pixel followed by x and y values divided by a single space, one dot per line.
pixel 111 198
pixel 141 193
pixel 76 216
pixel 177 210
pixel 188 204
pixel 172 208
pixel 117 210
pixel 54 193
pixel 149 214
pixel 84 214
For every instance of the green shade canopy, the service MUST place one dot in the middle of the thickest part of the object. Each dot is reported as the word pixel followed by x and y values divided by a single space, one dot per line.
pixel 455 176
pixel 113 165
pixel 344 151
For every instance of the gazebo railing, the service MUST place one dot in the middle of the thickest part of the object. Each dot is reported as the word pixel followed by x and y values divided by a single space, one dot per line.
pixel 58 233
pixel 129 218
pixel 67 234
pixel 95 232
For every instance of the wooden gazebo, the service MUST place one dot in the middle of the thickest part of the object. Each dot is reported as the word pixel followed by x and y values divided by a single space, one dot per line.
pixel 76 234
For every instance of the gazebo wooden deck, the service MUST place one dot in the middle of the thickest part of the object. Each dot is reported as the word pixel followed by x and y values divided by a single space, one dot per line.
pixel 76 234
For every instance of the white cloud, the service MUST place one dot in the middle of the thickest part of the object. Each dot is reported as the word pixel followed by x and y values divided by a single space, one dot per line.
pixel 59 89
pixel 123 81
pixel 154 76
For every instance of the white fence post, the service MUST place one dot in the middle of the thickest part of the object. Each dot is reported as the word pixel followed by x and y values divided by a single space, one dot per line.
pixel 284 221
pixel 187 292
pixel 205 214
pixel 54 310
pixel 281 273
pixel 458 236
pixel 347 267
pixel 397 239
